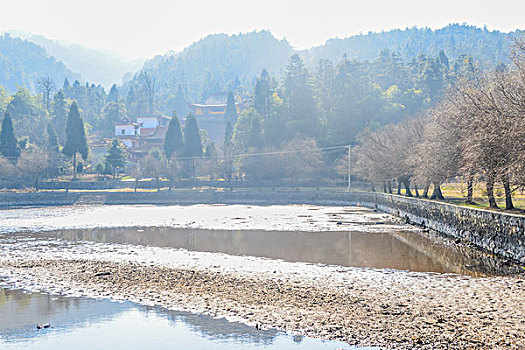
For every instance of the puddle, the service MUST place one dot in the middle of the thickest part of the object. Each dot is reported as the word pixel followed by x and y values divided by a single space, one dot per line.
pixel 81 323
pixel 400 250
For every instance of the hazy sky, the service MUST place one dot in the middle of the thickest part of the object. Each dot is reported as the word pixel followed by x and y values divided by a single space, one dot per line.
pixel 144 28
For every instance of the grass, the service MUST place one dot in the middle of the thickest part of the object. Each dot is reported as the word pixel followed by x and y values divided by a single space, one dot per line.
pixel 456 193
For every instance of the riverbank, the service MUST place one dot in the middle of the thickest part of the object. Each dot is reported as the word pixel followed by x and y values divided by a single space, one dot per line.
pixel 361 306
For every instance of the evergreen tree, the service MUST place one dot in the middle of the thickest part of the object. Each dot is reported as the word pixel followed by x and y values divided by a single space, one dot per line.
pixel 113 94
pixel 116 157
pixel 192 138
pixel 59 114
pixel 178 102
pixel 230 115
pixel 192 143
pixel 228 152
pixel 52 139
pixel 75 137
pixel 262 96
pixel 302 111
pixel 66 87
pixel 8 142
pixel 173 141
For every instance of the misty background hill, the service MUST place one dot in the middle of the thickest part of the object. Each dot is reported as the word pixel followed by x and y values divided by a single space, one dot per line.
pixel 23 62
pixel 95 66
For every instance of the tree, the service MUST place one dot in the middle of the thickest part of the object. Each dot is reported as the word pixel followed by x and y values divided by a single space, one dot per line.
pixel 7 169
pixel 53 150
pixel 8 143
pixel 299 98
pixel 113 95
pixel 148 89
pixel 59 114
pixel 32 165
pixel 99 168
pixel 173 141
pixel 192 143
pixel 53 144
pixel 152 165
pixel 262 94
pixel 116 157
pixel 46 86
pixel 227 163
pixel 137 172
pixel 230 115
pixel 178 103
pixel 76 141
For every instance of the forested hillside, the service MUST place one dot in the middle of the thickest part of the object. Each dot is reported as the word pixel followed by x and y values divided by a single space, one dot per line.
pixel 488 47
pixel 216 63
pixel 219 63
pixel 22 63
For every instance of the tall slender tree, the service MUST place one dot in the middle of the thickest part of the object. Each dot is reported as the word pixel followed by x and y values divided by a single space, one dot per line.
pixel 173 141
pixel 192 143
pixel 230 115
pixel 59 114
pixel 76 141
pixel 8 142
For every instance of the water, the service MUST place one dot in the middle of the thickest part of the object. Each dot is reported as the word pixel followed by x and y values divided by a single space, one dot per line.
pixel 399 249
pixel 80 323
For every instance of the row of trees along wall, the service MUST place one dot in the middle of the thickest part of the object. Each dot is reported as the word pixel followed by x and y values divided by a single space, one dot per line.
pixel 477 132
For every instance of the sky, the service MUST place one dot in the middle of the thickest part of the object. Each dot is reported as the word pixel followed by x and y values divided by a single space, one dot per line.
pixel 144 28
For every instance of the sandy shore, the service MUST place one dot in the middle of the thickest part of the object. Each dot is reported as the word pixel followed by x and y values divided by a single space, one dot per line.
pixel 392 309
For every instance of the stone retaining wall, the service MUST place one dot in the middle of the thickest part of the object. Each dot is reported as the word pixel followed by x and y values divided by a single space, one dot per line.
pixel 499 233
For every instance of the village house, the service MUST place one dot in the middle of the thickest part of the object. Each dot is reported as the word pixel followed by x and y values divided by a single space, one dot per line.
pixel 210 114
pixel 143 135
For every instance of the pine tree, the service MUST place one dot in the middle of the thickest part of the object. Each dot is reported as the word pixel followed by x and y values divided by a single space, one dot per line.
pixel 116 157
pixel 302 110
pixel 192 138
pixel 228 152
pixel 262 95
pixel 59 114
pixel 8 142
pixel 230 115
pixel 113 94
pixel 192 143
pixel 75 137
pixel 173 141
pixel 52 139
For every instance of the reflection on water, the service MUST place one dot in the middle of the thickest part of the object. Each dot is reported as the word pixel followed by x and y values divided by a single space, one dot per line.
pixel 79 323
pixel 403 250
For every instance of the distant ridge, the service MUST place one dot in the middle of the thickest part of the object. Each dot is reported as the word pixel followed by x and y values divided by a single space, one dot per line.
pixel 23 62
pixel 222 62
pixel 97 66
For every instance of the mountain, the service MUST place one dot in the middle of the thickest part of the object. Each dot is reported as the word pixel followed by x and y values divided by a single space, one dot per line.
pixel 97 66
pixel 487 47
pixel 22 63
pixel 220 62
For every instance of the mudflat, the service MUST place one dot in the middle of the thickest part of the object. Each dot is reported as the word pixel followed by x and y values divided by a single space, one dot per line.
pixel 361 306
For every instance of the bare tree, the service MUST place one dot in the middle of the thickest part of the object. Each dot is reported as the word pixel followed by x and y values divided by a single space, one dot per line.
pixel 32 165
pixel 46 86
pixel 149 89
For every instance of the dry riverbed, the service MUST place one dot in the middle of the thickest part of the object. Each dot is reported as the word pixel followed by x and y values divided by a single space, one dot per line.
pixel 388 308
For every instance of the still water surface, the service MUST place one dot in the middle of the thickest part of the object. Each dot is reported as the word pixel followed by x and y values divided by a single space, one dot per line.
pixel 399 250
pixel 80 323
